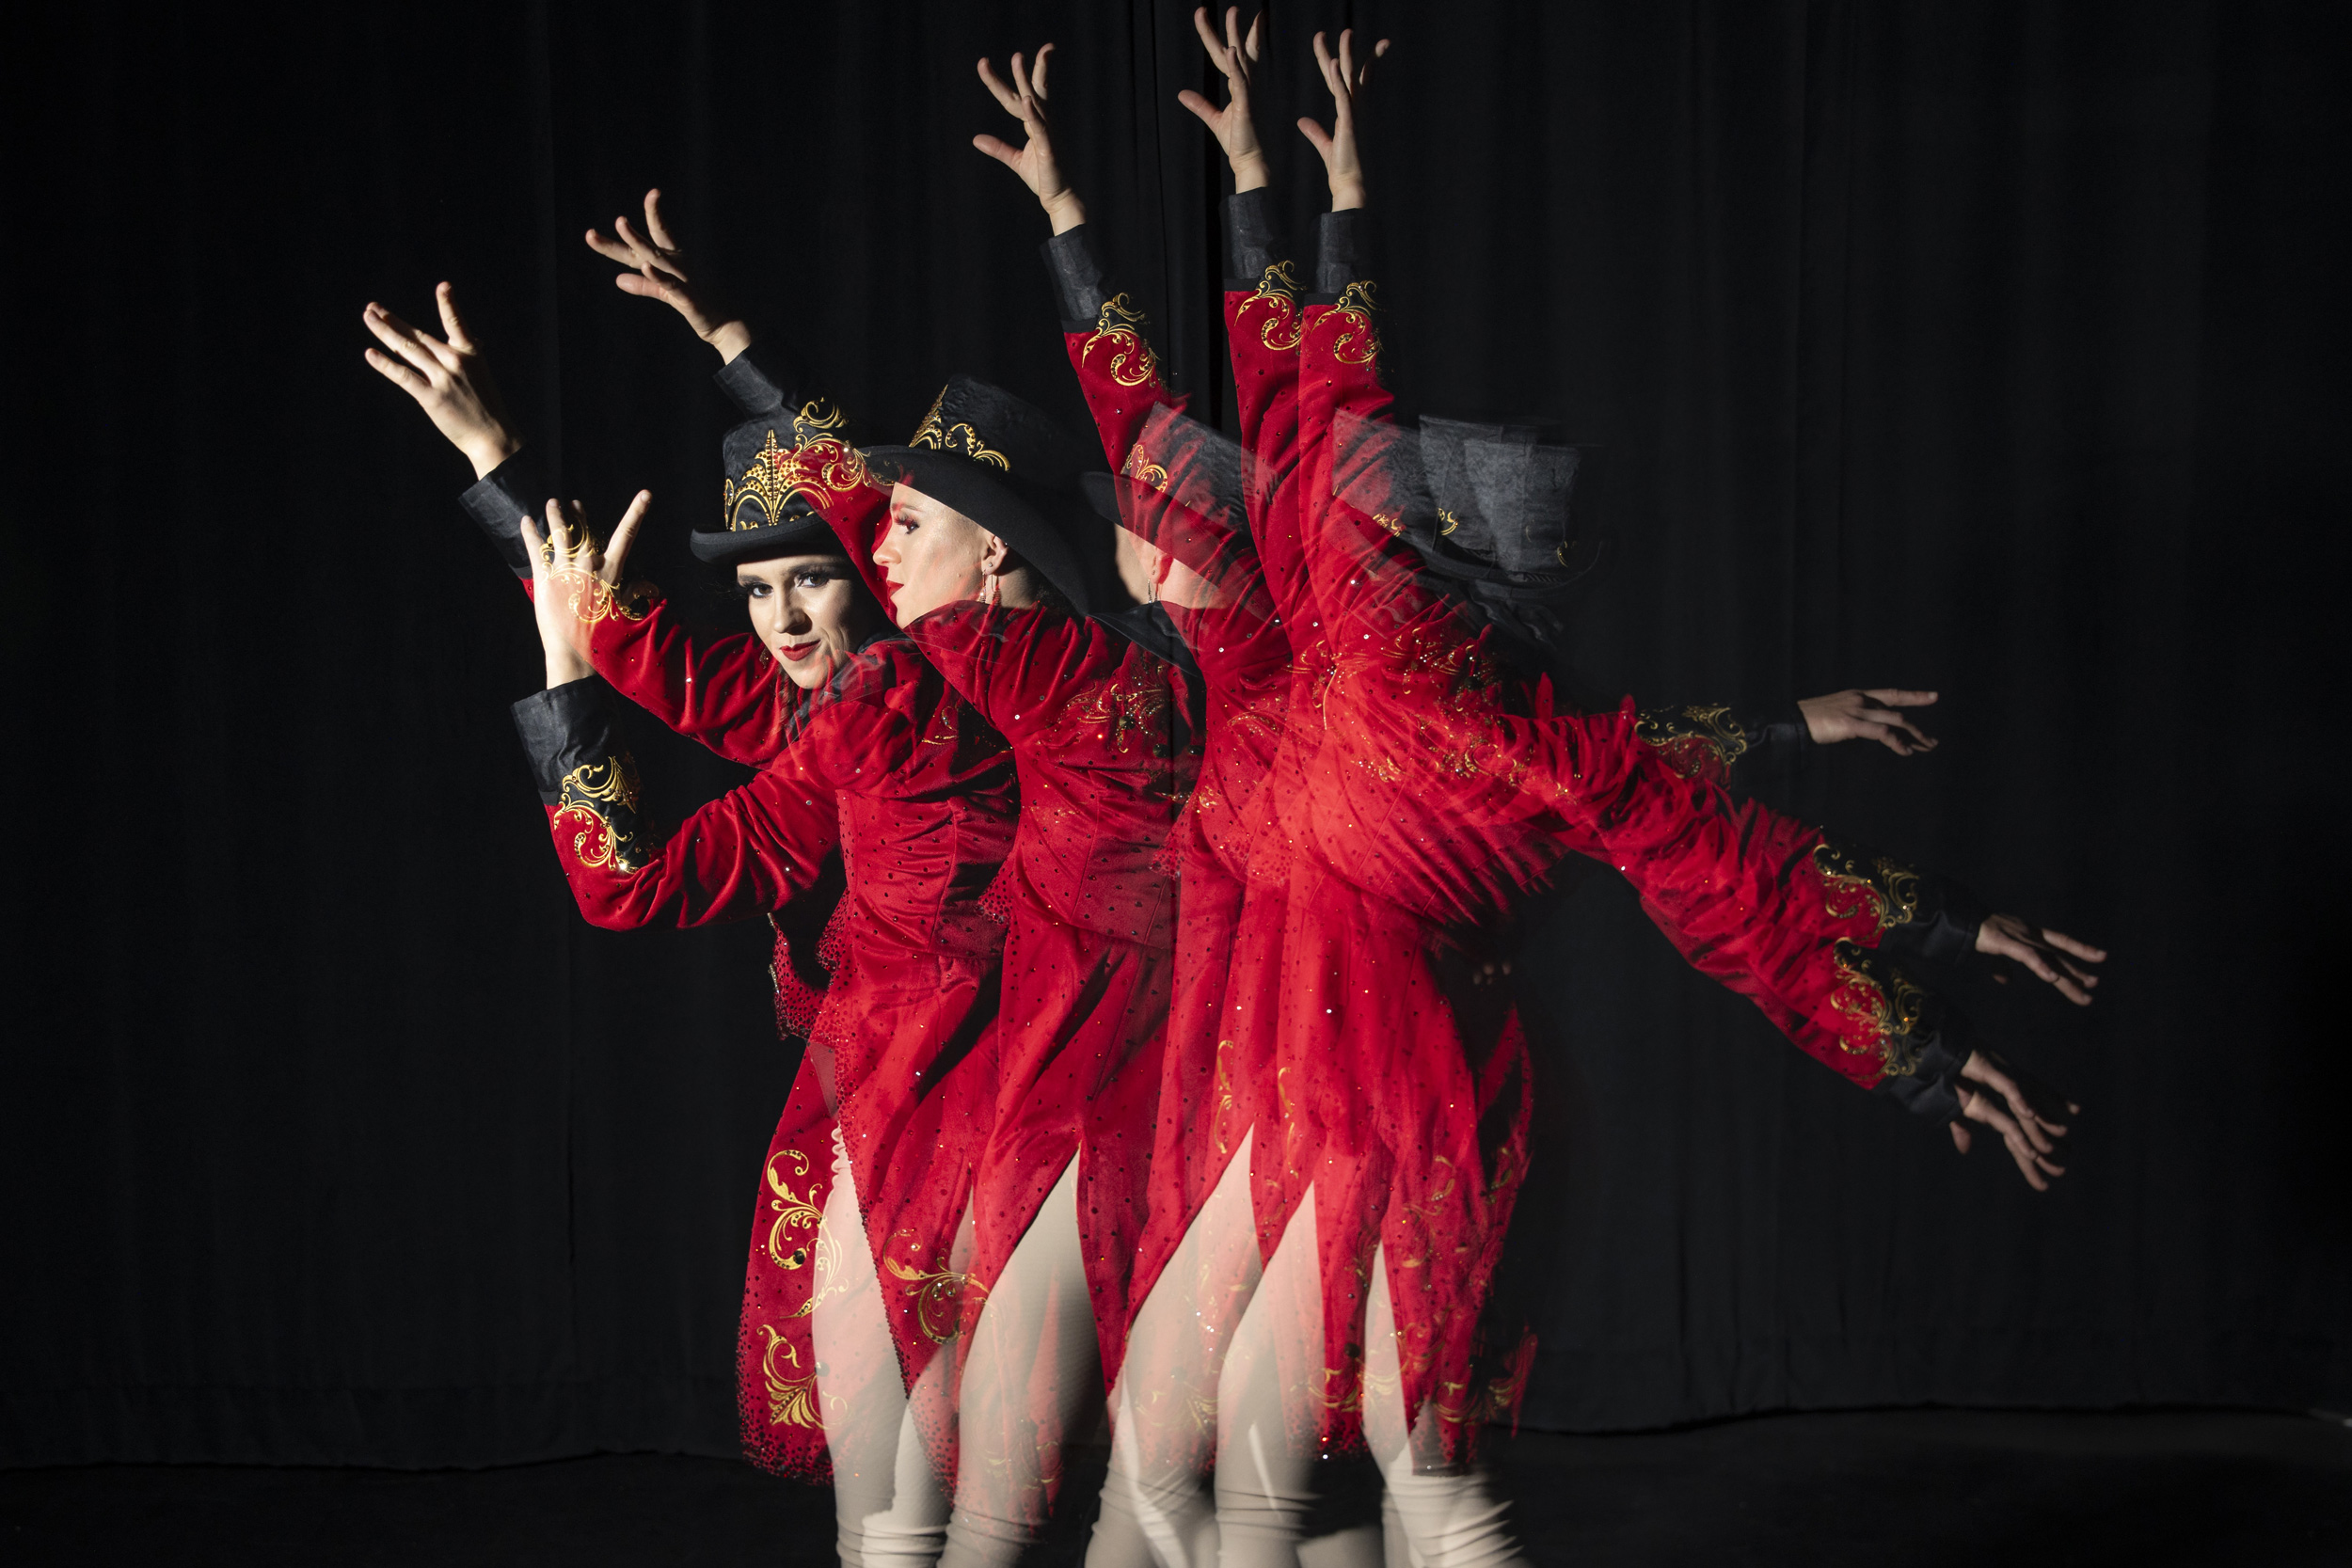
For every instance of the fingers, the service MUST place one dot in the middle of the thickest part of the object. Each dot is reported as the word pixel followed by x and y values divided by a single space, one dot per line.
pixel 1006 98
pixel 1037 72
pixel 445 295
pixel 1208 37
pixel 1896 697
pixel 1003 151
pixel 1888 718
pixel 625 535
pixel 2030 1164
pixel 1316 135
pixel 654 225
pixel 1885 735
pixel 1208 113
pixel 398 372
pixel 402 339
pixel 2080 949
pixel 611 250
pixel 1983 1070
pixel 651 258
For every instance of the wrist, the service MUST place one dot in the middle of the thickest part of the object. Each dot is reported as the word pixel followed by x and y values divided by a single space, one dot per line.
pixel 1347 195
pixel 1066 210
pixel 730 339
pixel 1249 172
pixel 489 452
pixel 565 664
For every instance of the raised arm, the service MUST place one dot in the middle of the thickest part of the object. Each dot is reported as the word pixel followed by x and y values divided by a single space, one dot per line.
pixel 744 855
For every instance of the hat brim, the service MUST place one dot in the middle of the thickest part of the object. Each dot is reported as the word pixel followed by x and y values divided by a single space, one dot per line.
pixel 1035 521
pixel 805 534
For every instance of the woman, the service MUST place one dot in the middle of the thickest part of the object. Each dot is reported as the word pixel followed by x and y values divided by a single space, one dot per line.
pixel 860 743
pixel 1445 782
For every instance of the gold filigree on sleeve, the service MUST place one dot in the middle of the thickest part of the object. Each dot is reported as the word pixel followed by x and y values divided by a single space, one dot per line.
pixel 600 798
pixel 1888 891
pixel 1884 1012
pixel 1357 342
pixel 1695 740
pixel 1275 298
pixel 1118 326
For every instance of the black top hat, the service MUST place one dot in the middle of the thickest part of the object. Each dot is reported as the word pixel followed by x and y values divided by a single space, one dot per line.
pixel 771 489
pixel 1496 513
pixel 1018 473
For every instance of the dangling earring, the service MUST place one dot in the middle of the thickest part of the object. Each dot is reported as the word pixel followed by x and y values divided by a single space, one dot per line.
pixel 989 596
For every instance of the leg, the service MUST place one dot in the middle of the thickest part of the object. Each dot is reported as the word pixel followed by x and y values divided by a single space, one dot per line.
pixel 1031 1371
pixel 1156 1508
pixel 889 1509
pixel 1265 1475
pixel 1447 1520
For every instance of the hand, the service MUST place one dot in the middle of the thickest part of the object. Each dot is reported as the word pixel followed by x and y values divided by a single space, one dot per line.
pixel 658 272
pixel 1875 714
pixel 1235 132
pixel 2029 1135
pixel 572 581
pixel 2044 951
pixel 1024 99
pixel 1346 79
pixel 447 378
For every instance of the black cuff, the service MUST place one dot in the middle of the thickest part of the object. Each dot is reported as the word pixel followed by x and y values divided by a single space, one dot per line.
pixel 765 378
pixel 1781 732
pixel 1343 252
pixel 1920 913
pixel 1931 1087
pixel 1924 1039
pixel 499 500
pixel 563 729
pixel 1251 243
pixel 1945 929
pixel 1080 280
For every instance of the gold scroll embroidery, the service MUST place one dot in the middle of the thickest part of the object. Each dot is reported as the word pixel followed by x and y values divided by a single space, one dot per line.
pixel 794 1211
pixel 791 1401
pixel 1278 291
pixel 1694 738
pixel 818 461
pixel 959 438
pixel 1885 1016
pixel 1359 341
pixel 601 797
pixel 1889 891
pixel 937 1298
pixel 1133 362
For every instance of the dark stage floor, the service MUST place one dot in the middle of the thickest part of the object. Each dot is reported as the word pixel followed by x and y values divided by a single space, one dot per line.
pixel 1895 1488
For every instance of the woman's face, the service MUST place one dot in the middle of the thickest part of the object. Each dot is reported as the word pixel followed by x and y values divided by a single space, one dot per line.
pixel 931 555
pixel 807 609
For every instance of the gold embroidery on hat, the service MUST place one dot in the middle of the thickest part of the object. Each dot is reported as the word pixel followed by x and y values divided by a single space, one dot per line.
pixel 818 460
pixel 959 438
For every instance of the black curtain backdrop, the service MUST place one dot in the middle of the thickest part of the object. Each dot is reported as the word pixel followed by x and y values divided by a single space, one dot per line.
pixel 1990 348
